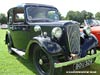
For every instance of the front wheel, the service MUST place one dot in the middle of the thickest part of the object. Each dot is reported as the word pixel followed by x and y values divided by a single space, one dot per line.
pixel 43 63
pixel 91 52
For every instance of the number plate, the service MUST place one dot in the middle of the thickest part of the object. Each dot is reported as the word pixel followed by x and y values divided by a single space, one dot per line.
pixel 82 64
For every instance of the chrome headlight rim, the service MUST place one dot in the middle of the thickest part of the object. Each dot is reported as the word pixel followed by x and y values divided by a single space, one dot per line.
pixel 57 32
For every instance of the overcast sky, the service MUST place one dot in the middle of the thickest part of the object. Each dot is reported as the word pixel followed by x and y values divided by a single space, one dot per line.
pixel 63 5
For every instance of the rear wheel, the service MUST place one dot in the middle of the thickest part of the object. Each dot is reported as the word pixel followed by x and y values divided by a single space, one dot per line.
pixel 43 62
pixel 9 45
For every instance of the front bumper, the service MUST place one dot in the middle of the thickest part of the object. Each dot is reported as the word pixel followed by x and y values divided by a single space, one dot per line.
pixel 58 65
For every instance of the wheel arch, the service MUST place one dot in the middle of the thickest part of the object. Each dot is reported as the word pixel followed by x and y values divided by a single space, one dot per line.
pixel 29 52
pixel 30 47
pixel 8 38
pixel 46 45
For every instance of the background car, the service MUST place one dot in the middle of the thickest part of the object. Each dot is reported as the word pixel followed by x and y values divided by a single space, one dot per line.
pixel 4 26
pixel 95 28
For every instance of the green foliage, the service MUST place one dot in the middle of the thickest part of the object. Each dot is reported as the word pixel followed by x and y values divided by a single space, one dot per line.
pixel 78 16
pixel 97 16
pixel 3 18
pixel 89 15
pixel 62 18
pixel 70 15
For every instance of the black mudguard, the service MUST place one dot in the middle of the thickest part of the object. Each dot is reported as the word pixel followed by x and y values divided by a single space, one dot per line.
pixel 46 44
pixel 89 43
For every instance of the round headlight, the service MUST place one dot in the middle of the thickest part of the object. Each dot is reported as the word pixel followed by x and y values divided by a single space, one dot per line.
pixel 57 32
pixel 87 30
pixel 37 28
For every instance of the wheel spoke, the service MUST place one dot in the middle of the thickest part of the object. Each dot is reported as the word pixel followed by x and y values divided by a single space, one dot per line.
pixel 42 61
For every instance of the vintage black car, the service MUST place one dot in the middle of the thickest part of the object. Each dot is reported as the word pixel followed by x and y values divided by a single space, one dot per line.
pixel 36 32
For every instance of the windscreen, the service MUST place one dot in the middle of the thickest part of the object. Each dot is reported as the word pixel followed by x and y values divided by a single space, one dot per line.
pixel 38 13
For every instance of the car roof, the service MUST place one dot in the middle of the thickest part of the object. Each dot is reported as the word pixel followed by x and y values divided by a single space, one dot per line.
pixel 34 4
pixel 29 4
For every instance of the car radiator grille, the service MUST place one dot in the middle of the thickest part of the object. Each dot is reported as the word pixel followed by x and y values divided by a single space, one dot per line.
pixel 73 38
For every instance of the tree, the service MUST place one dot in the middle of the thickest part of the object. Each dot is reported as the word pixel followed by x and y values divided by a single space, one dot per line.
pixel 62 18
pixel 79 16
pixel 3 18
pixel 83 14
pixel 70 15
pixel 89 15
pixel 97 16
pixel 74 15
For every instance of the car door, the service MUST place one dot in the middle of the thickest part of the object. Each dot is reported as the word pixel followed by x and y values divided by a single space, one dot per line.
pixel 96 31
pixel 19 31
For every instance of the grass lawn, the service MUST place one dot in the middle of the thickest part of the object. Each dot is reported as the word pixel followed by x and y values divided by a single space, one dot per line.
pixel 15 65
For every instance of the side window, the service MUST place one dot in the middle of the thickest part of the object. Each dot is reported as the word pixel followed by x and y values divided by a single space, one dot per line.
pixel 10 17
pixel 10 20
pixel 19 17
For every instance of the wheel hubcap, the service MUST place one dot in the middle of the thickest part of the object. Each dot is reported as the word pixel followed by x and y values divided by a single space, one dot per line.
pixel 92 52
pixel 40 61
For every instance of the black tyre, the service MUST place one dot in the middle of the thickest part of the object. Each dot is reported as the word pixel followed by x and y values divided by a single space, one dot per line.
pixel 9 45
pixel 91 52
pixel 44 63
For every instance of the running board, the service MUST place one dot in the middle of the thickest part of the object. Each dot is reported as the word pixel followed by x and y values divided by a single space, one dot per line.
pixel 58 65
pixel 20 53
